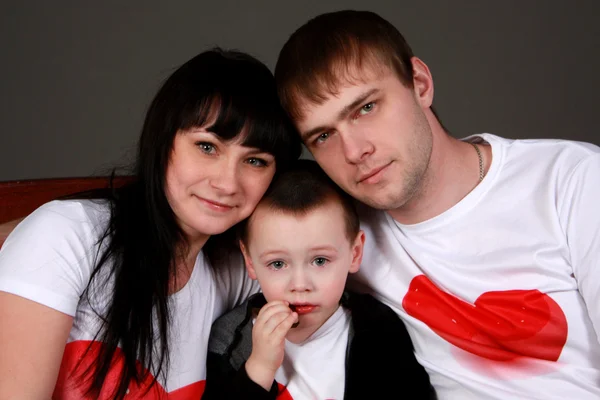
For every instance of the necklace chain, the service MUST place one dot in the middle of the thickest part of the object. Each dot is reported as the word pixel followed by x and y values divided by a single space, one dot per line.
pixel 481 172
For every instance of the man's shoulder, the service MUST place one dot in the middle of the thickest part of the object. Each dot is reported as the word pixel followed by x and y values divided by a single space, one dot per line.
pixel 545 146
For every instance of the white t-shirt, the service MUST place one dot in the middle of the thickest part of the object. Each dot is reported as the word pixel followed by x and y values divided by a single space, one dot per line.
pixel 494 290
pixel 316 368
pixel 49 258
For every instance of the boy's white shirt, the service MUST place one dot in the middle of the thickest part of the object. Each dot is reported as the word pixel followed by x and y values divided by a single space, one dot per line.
pixel 316 368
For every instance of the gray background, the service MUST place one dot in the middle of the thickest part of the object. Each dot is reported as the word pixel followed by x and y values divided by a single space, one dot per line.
pixel 77 76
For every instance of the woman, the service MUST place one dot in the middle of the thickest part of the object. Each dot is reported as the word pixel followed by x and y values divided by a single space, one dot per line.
pixel 125 278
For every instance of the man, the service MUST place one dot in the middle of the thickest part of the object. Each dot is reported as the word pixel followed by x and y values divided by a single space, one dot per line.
pixel 486 247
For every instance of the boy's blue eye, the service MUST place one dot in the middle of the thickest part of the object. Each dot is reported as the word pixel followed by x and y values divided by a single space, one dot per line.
pixel 277 265
pixel 320 261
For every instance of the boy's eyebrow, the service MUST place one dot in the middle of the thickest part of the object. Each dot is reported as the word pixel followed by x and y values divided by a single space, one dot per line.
pixel 271 253
pixel 342 114
pixel 325 247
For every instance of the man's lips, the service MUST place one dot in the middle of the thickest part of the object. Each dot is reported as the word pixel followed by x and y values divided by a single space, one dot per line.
pixel 372 175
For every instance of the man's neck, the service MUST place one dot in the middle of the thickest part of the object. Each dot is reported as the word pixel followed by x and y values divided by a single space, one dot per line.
pixel 453 172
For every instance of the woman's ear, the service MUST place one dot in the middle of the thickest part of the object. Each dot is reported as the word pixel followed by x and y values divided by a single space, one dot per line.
pixel 357 252
pixel 248 261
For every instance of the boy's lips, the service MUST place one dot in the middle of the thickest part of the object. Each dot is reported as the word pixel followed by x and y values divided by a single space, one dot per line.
pixel 302 309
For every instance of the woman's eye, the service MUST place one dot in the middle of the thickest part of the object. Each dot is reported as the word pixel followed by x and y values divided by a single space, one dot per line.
pixel 277 265
pixel 206 147
pixel 257 162
pixel 320 261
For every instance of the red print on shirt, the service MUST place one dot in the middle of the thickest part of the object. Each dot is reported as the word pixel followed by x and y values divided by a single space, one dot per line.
pixel 68 384
pixel 283 393
pixel 500 325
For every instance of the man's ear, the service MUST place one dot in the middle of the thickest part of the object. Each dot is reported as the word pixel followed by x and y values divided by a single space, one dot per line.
pixel 248 261
pixel 357 252
pixel 422 83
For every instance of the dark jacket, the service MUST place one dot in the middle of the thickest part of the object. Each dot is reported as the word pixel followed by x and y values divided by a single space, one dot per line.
pixel 380 360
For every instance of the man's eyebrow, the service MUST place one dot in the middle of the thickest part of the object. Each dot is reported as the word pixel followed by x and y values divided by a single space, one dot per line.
pixel 357 102
pixel 305 135
pixel 342 114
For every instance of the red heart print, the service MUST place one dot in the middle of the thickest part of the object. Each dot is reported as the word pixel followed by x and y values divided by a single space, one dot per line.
pixel 77 358
pixel 501 325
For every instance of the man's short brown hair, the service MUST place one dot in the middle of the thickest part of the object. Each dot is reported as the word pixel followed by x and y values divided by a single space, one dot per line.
pixel 329 48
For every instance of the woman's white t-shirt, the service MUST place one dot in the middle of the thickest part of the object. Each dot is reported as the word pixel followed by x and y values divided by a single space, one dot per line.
pixel 49 258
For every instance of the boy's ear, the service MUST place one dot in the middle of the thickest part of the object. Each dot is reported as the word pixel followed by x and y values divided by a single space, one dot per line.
pixel 357 252
pixel 248 262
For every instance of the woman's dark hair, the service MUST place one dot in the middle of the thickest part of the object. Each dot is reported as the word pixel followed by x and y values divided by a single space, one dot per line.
pixel 229 93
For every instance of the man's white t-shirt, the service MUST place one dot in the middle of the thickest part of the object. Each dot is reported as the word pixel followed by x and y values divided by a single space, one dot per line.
pixel 501 293
pixel 49 258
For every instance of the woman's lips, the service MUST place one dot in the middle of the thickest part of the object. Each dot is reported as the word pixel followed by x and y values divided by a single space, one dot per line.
pixel 215 205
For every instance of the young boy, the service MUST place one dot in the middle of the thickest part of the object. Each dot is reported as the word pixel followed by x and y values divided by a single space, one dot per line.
pixel 304 337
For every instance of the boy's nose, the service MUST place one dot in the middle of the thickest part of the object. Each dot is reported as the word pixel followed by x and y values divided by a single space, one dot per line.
pixel 300 281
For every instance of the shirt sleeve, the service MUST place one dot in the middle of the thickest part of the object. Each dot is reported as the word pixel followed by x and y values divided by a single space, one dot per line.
pixel 580 216
pixel 229 347
pixel 49 256
pixel 224 383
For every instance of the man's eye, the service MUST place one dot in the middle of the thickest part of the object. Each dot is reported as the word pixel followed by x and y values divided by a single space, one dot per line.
pixel 322 137
pixel 367 108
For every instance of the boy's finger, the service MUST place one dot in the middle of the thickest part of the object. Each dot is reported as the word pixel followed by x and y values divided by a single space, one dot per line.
pixel 275 319
pixel 284 326
pixel 271 304
pixel 271 309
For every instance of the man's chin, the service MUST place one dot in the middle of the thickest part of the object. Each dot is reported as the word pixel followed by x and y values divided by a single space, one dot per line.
pixel 382 204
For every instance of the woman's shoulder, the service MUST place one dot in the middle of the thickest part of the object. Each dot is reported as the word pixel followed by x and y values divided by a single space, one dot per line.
pixel 50 255
pixel 77 210
pixel 58 220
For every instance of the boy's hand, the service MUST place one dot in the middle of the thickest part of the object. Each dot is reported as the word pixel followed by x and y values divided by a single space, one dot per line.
pixel 268 338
